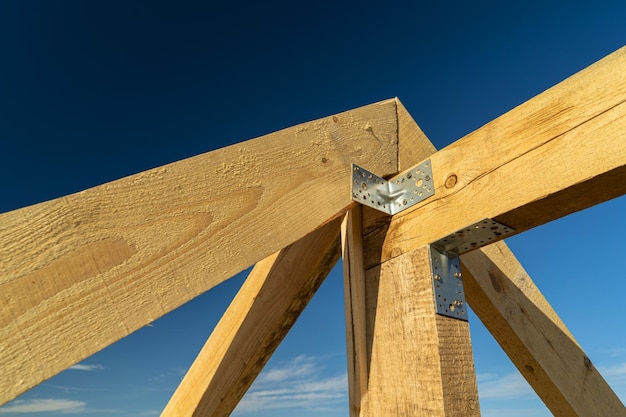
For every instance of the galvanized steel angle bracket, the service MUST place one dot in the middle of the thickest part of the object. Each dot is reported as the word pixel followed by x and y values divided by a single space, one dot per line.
pixel 447 283
pixel 395 195
pixel 446 266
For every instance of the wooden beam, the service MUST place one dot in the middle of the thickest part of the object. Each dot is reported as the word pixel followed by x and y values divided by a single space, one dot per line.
pixel 403 359
pixel 558 153
pixel 356 320
pixel 413 145
pixel 513 309
pixel 222 373
pixel 80 272
pixel 419 363
pixel 268 304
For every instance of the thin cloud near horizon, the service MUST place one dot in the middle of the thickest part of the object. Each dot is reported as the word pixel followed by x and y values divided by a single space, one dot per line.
pixel 47 405
pixel 297 385
pixel 82 367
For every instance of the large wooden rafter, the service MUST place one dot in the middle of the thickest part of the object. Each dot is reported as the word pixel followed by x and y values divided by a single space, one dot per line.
pixel 62 259
pixel 80 272
pixel 558 153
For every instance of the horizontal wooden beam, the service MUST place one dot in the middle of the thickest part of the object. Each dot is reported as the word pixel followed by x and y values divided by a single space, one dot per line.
pixel 267 305
pixel 558 153
pixel 80 272
pixel 524 324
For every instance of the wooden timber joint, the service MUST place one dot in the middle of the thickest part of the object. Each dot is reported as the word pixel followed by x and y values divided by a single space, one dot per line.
pixel 395 195
pixel 410 188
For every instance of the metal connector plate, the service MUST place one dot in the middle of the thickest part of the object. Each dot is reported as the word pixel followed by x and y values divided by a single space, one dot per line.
pixel 446 266
pixel 395 195
pixel 473 237
pixel 448 284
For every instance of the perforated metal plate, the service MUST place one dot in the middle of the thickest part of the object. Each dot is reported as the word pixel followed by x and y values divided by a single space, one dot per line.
pixel 448 284
pixel 395 195
pixel 446 267
pixel 473 237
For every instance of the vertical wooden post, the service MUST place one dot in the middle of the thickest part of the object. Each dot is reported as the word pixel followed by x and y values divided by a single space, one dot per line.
pixel 354 293
pixel 416 362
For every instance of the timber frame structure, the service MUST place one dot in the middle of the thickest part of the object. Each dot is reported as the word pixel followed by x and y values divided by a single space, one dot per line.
pixel 80 272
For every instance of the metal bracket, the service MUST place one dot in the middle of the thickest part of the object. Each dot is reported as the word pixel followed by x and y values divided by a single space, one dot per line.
pixel 448 284
pixel 446 266
pixel 408 189
pixel 395 195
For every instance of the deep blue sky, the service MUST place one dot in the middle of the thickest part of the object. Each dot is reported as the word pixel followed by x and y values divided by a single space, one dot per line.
pixel 94 91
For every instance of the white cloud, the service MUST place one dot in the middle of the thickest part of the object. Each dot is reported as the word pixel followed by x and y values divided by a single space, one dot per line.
pixel 509 386
pixel 297 385
pixel 80 367
pixel 44 406
pixel 612 352
pixel 149 413
pixel 508 395
pixel 617 371
pixel 301 366
pixel 159 378
pixel 615 376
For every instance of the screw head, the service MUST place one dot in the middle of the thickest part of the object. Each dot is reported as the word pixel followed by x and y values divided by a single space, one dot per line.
pixel 437 277
pixel 457 274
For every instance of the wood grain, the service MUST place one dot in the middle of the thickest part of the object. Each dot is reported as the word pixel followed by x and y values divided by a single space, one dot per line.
pixel 420 363
pixel 268 304
pixel 80 272
pixel 524 324
pixel 558 153
pixel 413 148
pixel 354 296
pixel 416 362
pixel 413 145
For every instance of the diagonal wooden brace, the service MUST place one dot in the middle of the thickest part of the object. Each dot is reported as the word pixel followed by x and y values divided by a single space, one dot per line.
pixel 522 321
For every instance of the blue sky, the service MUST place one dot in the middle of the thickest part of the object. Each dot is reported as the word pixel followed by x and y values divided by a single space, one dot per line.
pixel 94 91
